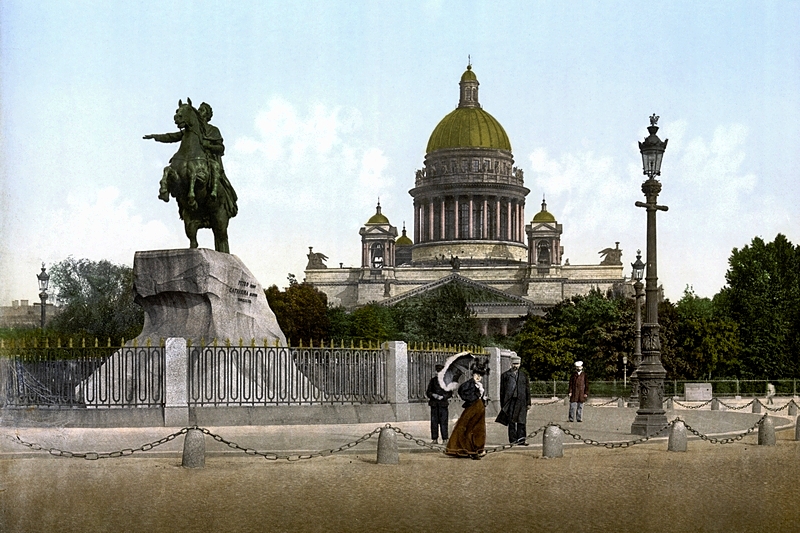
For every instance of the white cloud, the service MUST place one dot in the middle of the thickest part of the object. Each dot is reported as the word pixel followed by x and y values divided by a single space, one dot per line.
pixel 305 177
pixel 714 205
pixel 100 225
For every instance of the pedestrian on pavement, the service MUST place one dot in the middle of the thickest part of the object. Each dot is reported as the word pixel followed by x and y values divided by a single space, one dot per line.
pixel 578 392
pixel 438 400
pixel 515 400
pixel 469 434
pixel 770 392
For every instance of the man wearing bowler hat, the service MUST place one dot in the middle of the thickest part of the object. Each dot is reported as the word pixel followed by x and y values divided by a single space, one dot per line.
pixel 578 392
pixel 438 400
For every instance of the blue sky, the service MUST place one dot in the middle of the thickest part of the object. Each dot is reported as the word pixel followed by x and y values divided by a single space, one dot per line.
pixel 326 106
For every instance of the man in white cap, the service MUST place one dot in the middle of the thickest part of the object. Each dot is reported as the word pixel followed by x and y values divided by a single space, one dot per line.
pixel 578 392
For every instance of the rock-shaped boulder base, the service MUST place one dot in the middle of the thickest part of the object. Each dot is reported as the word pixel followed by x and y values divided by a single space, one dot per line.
pixel 201 294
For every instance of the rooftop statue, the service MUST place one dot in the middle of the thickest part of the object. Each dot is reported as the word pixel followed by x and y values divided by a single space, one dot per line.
pixel 195 176
pixel 611 256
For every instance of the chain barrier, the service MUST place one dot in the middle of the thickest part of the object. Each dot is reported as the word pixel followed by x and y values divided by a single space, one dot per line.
pixel 542 404
pixel 612 400
pixel 93 456
pixel 685 406
pixel 727 440
pixel 612 445
pixel 776 409
pixel 734 408
pixel 291 457
pixel 504 447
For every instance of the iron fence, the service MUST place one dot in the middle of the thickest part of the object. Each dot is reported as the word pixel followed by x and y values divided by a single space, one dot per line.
pixel 265 375
pixel 721 388
pixel 422 367
pixel 81 377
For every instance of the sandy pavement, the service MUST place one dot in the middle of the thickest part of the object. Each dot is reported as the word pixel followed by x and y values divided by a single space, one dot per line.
pixel 739 487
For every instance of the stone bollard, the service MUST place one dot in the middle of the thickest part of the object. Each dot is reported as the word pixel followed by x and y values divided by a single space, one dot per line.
pixel 387 447
pixel 677 437
pixel 669 403
pixel 797 429
pixel 620 403
pixel 792 408
pixel 552 445
pixel 566 400
pixel 756 405
pixel 766 432
pixel 194 449
pixel 714 404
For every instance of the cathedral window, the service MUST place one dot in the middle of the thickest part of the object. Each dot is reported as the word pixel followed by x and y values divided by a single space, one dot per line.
pixel 377 256
pixel 476 165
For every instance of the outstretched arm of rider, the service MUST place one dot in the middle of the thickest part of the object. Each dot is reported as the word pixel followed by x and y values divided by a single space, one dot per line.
pixel 165 137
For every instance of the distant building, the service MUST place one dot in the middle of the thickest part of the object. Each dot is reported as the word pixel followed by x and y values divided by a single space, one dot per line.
pixel 469 228
pixel 22 315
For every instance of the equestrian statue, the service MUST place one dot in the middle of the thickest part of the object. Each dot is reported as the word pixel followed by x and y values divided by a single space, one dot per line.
pixel 195 176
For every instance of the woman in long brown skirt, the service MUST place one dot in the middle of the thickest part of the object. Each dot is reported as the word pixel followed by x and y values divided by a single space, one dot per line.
pixel 468 438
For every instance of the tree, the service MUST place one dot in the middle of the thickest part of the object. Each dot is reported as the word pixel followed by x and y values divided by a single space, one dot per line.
pixel 762 296
pixel 96 299
pixel 706 342
pixel 301 310
pixel 593 328
pixel 441 315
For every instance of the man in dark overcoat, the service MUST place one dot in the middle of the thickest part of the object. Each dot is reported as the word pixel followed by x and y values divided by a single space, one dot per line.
pixel 578 392
pixel 438 400
pixel 515 400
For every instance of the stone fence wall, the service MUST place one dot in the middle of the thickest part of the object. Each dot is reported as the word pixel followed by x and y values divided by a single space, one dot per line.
pixel 180 410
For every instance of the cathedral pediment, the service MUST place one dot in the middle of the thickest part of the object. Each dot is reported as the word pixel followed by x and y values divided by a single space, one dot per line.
pixel 481 298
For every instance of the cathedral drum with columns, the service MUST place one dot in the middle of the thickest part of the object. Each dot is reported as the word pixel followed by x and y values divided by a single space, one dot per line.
pixel 469 228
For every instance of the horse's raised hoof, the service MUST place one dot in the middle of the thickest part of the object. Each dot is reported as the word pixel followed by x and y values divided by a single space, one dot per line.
pixel 164 195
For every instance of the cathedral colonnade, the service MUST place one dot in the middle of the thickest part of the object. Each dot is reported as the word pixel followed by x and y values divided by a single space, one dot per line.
pixel 469 217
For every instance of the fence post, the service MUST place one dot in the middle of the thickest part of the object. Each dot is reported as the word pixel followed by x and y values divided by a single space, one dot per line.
pixel 496 356
pixel 766 432
pixel 388 454
pixel 552 445
pixel 194 449
pixel 797 429
pixel 397 378
pixel 677 437
pixel 176 397
pixel 5 377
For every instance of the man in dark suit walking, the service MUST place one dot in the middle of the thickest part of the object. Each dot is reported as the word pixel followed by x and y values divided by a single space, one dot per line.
pixel 515 400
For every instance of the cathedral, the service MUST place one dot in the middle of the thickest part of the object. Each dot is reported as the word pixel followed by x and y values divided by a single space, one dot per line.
pixel 469 228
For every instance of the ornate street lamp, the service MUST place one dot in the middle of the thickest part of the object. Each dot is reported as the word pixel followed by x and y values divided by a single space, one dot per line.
pixel 650 416
pixel 637 274
pixel 44 282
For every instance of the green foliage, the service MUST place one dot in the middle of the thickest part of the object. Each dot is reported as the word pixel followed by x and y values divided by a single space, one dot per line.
pixel 593 328
pixel 96 299
pixel 441 315
pixel 705 341
pixel 301 310
pixel 373 322
pixel 762 297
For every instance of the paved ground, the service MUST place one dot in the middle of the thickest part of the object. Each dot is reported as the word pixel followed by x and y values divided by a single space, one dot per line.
pixel 731 488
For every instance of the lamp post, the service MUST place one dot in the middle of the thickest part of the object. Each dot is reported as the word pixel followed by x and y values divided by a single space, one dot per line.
pixel 650 416
pixel 637 275
pixel 44 282
pixel 624 372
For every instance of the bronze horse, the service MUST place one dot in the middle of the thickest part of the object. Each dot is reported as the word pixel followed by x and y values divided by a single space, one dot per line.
pixel 196 180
